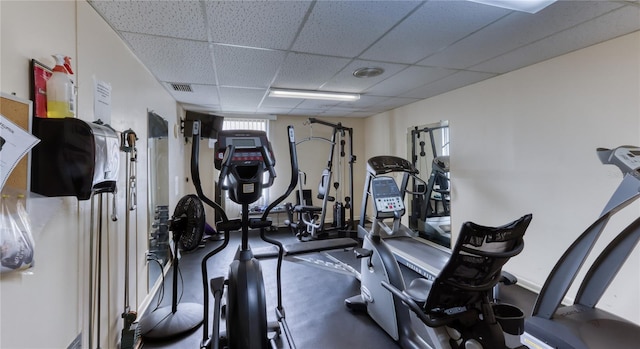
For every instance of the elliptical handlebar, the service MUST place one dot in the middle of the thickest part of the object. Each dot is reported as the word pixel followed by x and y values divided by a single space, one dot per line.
pixel 224 170
pixel 226 164
pixel 293 155
pixel 195 172
pixel 269 163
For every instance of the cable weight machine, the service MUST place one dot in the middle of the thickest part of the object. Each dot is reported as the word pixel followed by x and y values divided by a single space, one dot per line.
pixel 310 223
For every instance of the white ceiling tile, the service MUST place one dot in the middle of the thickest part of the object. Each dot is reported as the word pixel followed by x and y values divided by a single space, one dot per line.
pixel 516 30
pixel 178 19
pixel 276 102
pixel 408 79
pixel 619 22
pixel 306 71
pixel 268 24
pixel 173 60
pixel 273 110
pixel 451 82
pixel 247 67
pixel 306 112
pixel 206 108
pixel 346 82
pixel 431 28
pixel 317 104
pixel 363 102
pixel 236 99
pixel 335 113
pixel 346 28
pixel 241 46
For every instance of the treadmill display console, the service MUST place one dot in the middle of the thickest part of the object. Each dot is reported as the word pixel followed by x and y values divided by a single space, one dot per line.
pixel 629 158
pixel 386 196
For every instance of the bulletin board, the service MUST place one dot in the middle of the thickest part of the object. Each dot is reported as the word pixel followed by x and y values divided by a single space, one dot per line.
pixel 18 111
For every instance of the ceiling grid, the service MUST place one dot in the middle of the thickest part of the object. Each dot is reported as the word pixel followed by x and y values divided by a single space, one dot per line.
pixel 231 53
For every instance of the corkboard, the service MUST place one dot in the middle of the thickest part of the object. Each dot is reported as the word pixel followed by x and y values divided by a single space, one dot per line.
pixel 18 111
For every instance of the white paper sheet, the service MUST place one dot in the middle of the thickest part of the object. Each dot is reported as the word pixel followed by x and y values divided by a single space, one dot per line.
pixel 14 144
pixel 102 101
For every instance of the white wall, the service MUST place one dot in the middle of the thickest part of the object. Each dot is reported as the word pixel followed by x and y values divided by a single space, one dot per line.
pixel 525 142
pixel 53 298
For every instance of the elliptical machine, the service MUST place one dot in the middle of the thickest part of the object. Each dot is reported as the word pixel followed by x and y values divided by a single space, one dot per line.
pixel 243 157
pixel 456 306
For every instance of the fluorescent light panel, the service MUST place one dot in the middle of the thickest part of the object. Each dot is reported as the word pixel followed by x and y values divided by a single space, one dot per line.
pixel 308 94
pixel 530 6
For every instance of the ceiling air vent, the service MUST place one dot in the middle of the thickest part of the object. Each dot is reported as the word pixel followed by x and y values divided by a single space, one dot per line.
pixel 182 87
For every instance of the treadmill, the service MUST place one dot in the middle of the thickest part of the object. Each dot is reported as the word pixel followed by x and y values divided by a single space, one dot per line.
pixel 420 255
pixel 582 325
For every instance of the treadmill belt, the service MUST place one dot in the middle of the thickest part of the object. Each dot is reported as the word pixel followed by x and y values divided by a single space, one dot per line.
pixel 422 258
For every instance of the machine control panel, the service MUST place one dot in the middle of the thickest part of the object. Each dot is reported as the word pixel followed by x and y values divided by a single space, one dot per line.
pixel 387 197
pixel 247 146
pixel 627 158
pixel 630 157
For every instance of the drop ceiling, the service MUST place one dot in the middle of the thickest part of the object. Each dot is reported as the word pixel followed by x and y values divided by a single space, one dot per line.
pixel 223 56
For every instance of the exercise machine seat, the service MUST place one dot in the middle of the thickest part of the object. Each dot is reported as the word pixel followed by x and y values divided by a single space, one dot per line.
pixel 306 206
pixel 474 267
pixel 323 187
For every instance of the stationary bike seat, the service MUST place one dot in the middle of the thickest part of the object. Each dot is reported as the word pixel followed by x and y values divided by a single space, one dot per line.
pixel 419 289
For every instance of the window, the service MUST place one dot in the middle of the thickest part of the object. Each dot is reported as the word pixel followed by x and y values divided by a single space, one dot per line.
pixel 231 208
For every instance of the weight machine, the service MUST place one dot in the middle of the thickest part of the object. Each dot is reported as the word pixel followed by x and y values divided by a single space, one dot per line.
pixel 310 223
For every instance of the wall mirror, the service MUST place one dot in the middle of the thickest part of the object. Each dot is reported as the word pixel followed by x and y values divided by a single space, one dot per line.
pixel 430 210
pixel 158 195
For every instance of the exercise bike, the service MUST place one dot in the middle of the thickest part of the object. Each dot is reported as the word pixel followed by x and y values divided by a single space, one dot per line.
pixel 456 307
pixel 244 159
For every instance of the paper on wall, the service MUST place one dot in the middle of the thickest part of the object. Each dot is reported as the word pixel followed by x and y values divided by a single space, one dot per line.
pixel 14 144
pixel 102 101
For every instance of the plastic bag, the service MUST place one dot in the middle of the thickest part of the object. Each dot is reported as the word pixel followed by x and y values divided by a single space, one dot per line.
pixel 16 239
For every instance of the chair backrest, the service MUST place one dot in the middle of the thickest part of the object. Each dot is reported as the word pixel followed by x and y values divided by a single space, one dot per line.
pixel 475 264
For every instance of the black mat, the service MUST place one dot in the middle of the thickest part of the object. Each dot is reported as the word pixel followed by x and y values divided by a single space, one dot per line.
pixel 313 298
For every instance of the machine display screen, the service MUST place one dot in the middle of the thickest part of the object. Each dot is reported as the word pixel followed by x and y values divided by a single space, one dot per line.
pixel 244 142
pixel 384 187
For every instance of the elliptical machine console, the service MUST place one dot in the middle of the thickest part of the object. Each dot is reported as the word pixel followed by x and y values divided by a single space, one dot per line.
pixel 242 156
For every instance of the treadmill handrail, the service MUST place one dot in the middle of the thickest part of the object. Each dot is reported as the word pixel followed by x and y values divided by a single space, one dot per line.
pixel 607 265
pixel 566 269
